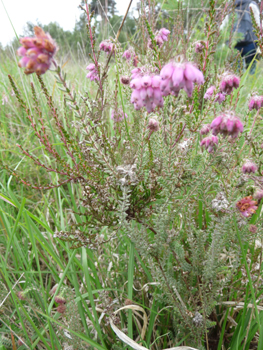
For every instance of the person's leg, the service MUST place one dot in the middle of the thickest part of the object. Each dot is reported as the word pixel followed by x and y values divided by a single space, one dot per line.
pixel 249 53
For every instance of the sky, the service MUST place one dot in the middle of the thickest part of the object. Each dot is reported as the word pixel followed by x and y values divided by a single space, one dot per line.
pixel 45 11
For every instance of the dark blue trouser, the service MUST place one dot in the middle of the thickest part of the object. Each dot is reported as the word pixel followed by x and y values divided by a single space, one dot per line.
pixel 248 51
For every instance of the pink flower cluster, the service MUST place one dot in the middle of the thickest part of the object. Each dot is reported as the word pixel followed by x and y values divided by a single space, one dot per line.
pixel 247 206
pixel 229 82
pixel 209 143
pixel 93 72
pixel 220 97
pixel 118 115
pixel 177 76
pixel 199 47
pixel 161 37
pixel 153 124
pixel 205 129
pixel 106 46
pixel 37 53
pixel 147 91
pixel 227 124
pixel 256 102
pixel 249 167
pixel 130 54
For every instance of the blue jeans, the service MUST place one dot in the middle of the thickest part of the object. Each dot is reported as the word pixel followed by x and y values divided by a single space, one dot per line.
pixel 248 52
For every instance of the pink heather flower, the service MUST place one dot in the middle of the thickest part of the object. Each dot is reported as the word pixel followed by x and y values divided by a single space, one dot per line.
pixel 106 46
pixel 125 80
pixel 259 194
pixel 227 124
pixel 37 53
pixel 177 76
pixel 160 37
pixel 210 143
pixel 93 72
pixel 199 47
pixel 205 129
pixel 118 115
pixel 21 295
pixel 130 55
pixel 249 167
pixel 60 299
pixel 153 125
pixel 252 228
pixel 209 92
pixel 127 55
pixel 61 308
pixel 247 206
pixel 146 90
pixel 220 97
pixel 256 102
pixel 229 82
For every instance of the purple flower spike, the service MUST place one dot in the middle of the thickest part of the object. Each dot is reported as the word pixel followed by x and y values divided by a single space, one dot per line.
pixel 227 124
pixel 209 143
pixel 256 102
pixel 37 53
pixel 247 206
pixel 205 129
pixel 229 82
pixel 249 167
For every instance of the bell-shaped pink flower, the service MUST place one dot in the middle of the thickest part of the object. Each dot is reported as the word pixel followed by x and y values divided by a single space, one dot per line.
pixel 205 129
pixel 93 72
pixel 209 143
pixel 106 46
pixel 160 37
pixel 199 47
pixel 209 92
pixel 249 167
pixel 227 124
pixel 153 124
pixel 125 80
pixel 229 82
pixel 147 91
pixel 256 102
pixel 177 76
pixel 37 53
pixel 247 206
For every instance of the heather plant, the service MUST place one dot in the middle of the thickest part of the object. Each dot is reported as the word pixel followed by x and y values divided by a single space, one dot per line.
pixel 163 156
